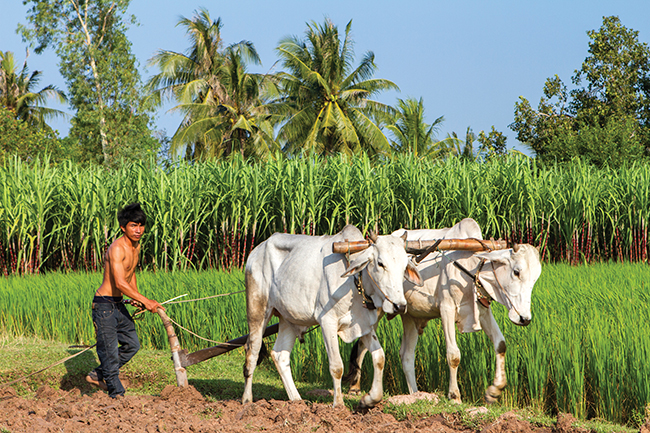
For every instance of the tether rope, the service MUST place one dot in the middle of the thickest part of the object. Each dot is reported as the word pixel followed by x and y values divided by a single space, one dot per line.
pixel 134 315
pixel 203 338
pixel 49 366
pixel 202 299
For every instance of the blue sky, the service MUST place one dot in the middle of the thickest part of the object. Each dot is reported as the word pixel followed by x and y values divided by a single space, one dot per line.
pixel 469 60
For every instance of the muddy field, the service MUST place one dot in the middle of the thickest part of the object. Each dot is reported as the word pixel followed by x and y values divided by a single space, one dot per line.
pixel 186 410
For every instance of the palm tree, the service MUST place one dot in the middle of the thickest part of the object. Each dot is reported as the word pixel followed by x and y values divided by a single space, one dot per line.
pixel 324 101
pixel 413 135
pixel 220 101
pixel 18 95
pixel 411 132
pixel 462 149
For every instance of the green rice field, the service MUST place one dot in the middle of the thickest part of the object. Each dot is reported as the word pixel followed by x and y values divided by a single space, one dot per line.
pixel 585 352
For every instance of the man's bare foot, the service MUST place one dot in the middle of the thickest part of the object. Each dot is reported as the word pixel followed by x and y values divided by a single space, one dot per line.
pixel 93 379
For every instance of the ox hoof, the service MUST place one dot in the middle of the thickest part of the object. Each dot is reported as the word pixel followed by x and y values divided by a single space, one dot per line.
pixel 454 398
pixel 492 394
pixel 366 402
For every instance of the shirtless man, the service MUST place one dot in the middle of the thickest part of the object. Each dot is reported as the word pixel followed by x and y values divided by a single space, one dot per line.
pixel 117 339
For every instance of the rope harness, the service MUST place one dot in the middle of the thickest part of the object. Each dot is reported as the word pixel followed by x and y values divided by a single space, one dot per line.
pixel 482 295
pixel 367 300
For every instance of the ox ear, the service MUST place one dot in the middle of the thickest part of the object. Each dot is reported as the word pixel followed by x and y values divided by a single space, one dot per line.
pixel 357 265
pixel 412 274
pixel 500 256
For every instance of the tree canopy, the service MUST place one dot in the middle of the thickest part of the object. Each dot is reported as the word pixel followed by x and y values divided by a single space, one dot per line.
pixel 18 93
pixel 111 121
pixel 223 109
pixel 324 100
pixel 606 119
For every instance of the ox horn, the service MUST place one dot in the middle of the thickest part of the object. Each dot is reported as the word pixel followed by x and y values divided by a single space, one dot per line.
pixel 516 247
pixel 372 235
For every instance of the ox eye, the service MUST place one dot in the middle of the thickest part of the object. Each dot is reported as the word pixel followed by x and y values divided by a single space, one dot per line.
pixel 381 265
pixel 516 271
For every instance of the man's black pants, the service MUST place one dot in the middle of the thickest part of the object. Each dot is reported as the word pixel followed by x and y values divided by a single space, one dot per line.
pixel 117 340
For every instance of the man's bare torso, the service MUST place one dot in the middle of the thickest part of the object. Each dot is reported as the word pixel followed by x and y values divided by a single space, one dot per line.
pixel 120 258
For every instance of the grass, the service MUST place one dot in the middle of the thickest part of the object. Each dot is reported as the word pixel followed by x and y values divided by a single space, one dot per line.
pixel 150 371
pixel 582 353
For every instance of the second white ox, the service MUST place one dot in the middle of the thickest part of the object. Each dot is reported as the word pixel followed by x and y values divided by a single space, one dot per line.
pixel 449 293
pixel 300 280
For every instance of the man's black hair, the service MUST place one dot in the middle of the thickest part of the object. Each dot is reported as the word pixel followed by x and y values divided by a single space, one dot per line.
pixel 131 213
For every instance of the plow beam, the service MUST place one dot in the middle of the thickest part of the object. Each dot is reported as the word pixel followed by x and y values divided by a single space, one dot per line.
pixel 187 359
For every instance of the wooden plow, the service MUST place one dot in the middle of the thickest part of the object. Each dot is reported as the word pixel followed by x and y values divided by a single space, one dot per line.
pixel 182 359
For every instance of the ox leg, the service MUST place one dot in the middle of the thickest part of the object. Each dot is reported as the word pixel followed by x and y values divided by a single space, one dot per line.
pixel 447 316
pixel 281 355
pixel 407 351
pixel 330 337
pixel 492 330
pixel 376 392
pixel 354 368
pixel 252 348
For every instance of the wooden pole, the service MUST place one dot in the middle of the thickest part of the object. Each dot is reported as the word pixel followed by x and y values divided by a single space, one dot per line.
pixel 419 246
pixel 181 373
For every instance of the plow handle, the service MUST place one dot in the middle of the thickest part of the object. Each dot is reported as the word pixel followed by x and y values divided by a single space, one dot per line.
pixel 181 373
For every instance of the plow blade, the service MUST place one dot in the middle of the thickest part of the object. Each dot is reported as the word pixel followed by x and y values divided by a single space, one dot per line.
pixel 188 359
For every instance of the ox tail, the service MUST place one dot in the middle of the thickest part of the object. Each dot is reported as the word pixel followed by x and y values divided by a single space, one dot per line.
pixel 354 369
pixel 264 354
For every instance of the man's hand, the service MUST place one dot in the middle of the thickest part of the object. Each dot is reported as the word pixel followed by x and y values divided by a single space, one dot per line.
pixel 152 305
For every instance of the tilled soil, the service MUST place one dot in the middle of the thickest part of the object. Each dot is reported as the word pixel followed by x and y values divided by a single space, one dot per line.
pixel 186 410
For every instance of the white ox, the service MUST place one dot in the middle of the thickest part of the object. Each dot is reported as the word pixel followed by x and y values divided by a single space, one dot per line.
pixel 450 294
pixel 300 280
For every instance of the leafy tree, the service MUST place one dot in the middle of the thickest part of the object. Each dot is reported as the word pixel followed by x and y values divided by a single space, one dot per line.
pixel 412 134
pixel 24 140
pixel 18 93
pixel 89 36
pixel 325 101
pixel 220 100
pixel 607 121
pixel 492 144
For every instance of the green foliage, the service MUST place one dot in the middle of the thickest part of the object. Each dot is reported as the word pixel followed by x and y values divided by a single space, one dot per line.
pixel 324 100
pixel 223 110
pixel 17 92
pixel 413 135
pixel 492 144
pixel 212 214
pixel 606 122
pixel 112 122
pixel 21 140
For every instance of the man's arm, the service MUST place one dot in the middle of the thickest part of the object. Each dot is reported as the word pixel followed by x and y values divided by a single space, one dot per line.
pixel 116 260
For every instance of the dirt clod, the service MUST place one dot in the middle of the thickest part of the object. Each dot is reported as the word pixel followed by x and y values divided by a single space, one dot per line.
pixel 186 410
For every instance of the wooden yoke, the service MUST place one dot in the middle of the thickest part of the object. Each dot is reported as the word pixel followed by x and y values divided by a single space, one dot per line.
pixel 181 373
pixel 416 247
